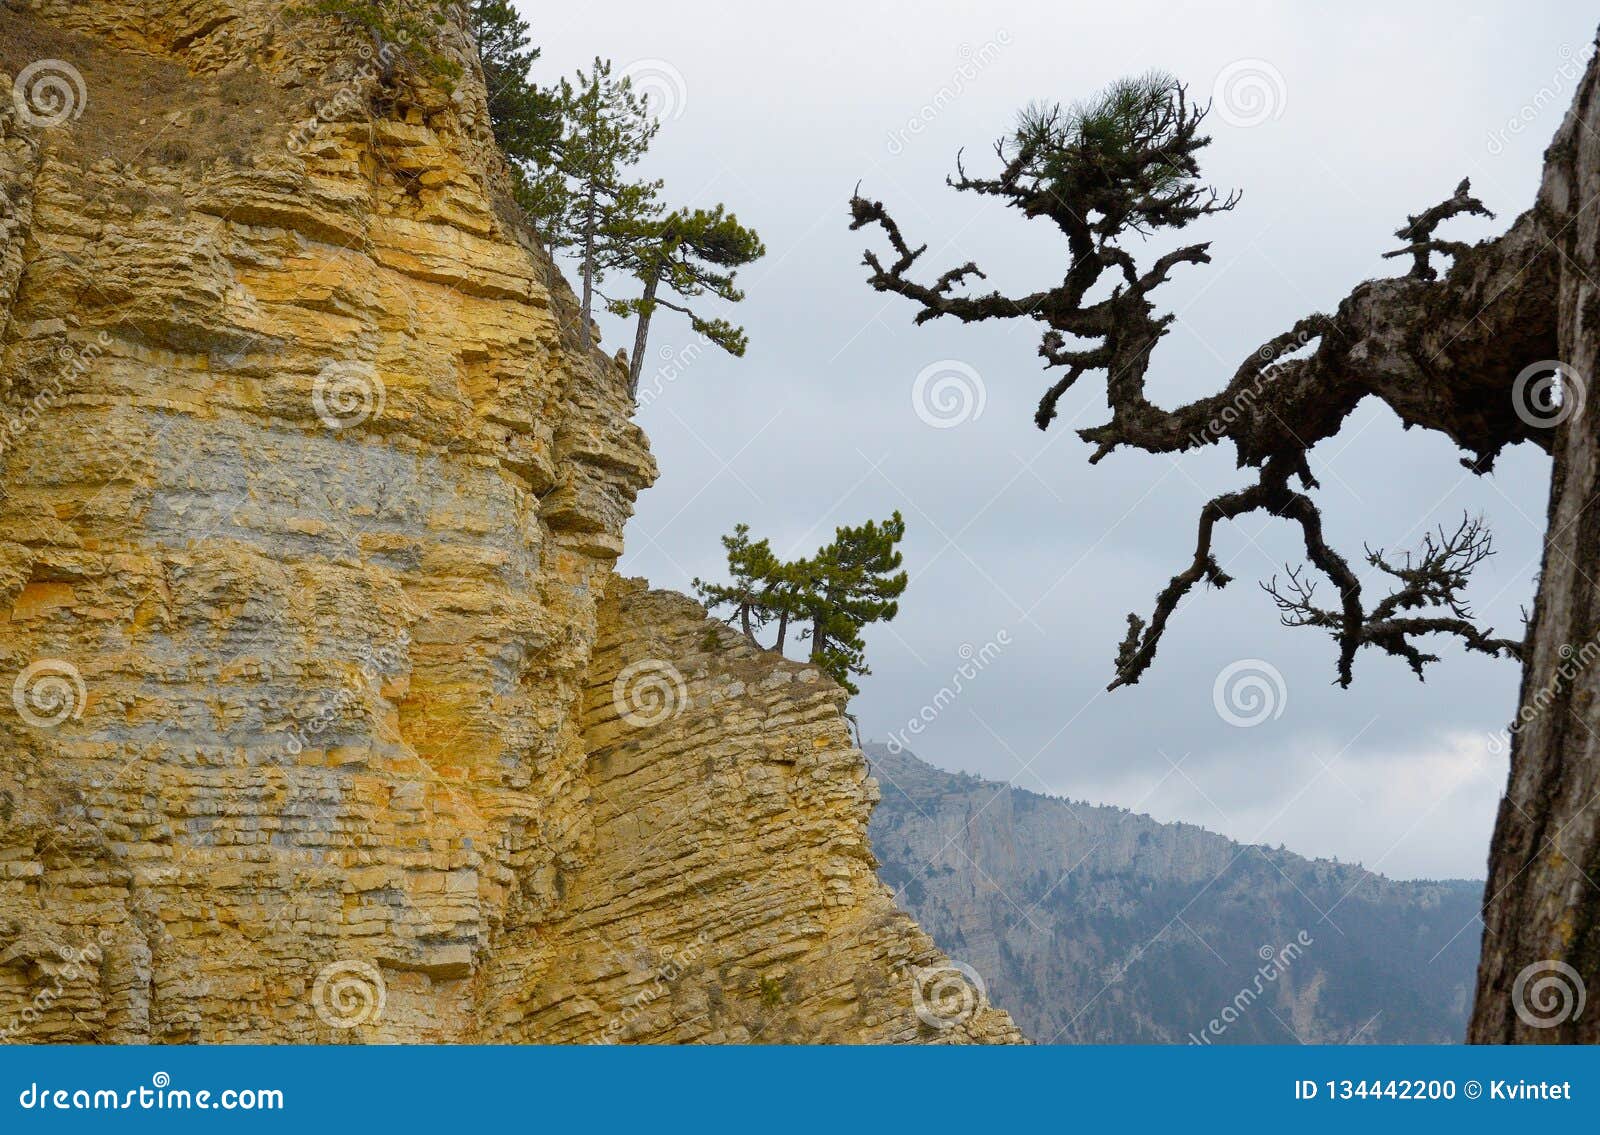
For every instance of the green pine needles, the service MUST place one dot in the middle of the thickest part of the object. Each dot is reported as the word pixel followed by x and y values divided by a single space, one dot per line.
pixel 831 597
pixel 575 148
pixel 402 33
pixel 687 254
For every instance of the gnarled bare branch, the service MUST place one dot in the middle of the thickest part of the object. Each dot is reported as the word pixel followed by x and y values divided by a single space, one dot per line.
pixel 1440 352
pixel 1431 580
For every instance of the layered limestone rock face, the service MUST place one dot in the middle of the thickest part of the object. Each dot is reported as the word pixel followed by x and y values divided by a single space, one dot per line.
pixel 733 896
pixel 309 506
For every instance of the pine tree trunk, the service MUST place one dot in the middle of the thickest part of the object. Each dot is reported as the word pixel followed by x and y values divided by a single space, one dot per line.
pixel 783 629
pixel 588 271
pixel 642 335
pixel 1541 942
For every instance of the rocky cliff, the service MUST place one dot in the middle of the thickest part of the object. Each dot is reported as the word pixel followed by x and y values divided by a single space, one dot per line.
pixel 1092 924
pixel 325 716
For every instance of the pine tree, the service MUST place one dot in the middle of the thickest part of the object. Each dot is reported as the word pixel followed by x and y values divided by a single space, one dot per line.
pixel 761 589
pixel 852 582
pixel 586 201
pixel 687 254
pixel 526 117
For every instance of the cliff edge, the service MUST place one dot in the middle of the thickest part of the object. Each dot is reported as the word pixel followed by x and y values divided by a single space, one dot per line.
pixel 323 713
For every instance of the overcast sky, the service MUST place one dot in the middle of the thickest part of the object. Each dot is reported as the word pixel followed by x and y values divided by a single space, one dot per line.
pixel 1340 123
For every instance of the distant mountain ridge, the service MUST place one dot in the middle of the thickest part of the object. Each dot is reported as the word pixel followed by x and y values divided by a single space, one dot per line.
pixel 1091 924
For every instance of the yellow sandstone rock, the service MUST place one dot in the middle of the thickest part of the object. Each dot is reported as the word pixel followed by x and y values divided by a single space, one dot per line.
pixel 320 700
